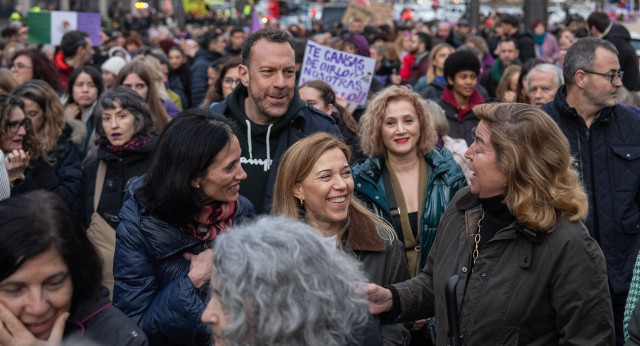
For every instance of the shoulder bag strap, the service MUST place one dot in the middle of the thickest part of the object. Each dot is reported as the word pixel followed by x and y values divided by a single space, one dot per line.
pixel 392 203
pixel 102 170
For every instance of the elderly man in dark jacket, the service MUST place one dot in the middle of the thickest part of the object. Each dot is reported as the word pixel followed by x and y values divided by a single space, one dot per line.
pixel 605 143
pixel 268 112
pixel 601 26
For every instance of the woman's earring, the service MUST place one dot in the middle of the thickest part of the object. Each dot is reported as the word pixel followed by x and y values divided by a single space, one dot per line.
pixel 196 185
pixel 301 201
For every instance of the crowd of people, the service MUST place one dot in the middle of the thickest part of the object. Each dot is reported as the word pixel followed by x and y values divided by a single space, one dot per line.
pixel 176 186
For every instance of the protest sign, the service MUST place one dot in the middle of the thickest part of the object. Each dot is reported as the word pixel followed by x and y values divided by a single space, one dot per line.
pixel 50 26
pixel 349 75
pixel 377 13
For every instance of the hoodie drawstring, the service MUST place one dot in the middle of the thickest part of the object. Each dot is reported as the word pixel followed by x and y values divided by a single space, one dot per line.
pixel 268 147
pixel 249 139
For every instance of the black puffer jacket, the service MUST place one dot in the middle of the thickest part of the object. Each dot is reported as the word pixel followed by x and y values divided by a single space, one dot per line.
pixel 121 171
pixel 620 37
pixel 607 156
pixel 68 163
pixel 98 322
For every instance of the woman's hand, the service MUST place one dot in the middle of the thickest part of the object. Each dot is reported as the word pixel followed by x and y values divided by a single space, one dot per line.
pixel 419 324
pixel 340 101
pixel 14 333
pixel 380 299
pixel 509 96
pixel 201 266
pixel 17 161
pixel 71 111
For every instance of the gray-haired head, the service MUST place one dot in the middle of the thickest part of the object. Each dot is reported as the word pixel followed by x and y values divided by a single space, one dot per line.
pixel 129 100
pixel 280 285
pixel 439 118
pixel 581 56
pixel 559 78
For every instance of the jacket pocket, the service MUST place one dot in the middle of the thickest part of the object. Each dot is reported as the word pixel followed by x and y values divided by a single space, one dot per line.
pixel 626 167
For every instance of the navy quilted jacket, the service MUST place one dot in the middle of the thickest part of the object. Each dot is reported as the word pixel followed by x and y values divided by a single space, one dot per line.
pixel 151 282
pixel 607 156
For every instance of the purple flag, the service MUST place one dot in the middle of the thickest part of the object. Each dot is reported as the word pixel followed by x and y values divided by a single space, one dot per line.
pixel 255 23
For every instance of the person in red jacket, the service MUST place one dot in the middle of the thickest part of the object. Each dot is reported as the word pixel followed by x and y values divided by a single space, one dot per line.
pixel 76 51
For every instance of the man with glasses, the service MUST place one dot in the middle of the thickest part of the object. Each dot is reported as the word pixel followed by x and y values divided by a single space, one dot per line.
pixel 605 143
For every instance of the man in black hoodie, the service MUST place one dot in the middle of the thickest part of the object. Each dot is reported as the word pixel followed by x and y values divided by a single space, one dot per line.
pixel 600 26
pixel 268 112
pixel 511 27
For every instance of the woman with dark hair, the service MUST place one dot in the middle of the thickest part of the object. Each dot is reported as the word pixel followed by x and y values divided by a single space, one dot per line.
pixel 50 279
pixel 125 137
pixel 28 64
pixel 530 273
pixel 84 88
pixel 136 75
pixel 28 165
pixel 190 194
pixel 546 44
pixel 62 140
pixel 179 64
pixel 320 95
pixel 227 80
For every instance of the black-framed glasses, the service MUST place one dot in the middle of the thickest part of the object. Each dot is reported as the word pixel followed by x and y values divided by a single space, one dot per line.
pixel 615 77
pixel 14 126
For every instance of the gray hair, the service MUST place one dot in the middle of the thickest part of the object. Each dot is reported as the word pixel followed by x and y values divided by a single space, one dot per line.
pixel 280 285
pixel 581 56
pixel 547 68
pixel 439 118
pixel 129 100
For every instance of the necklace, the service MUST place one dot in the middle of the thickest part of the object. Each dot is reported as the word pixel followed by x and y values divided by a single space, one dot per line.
pixel 476 239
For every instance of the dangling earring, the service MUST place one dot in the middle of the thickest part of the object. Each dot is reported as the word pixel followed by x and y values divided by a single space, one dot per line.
pixel 196 185
pixel 301 201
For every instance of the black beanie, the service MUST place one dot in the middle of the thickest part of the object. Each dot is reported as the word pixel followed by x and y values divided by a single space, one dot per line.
pixel 461 60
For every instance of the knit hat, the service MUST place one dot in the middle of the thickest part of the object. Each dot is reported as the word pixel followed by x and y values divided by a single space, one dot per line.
pixel 113 50
pixel 361 44
pixel 461 60
pixel 113 65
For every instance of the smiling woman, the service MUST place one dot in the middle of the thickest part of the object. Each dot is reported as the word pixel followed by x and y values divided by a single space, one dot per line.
pixel 170 217
pixel 50 279
pixel 314 184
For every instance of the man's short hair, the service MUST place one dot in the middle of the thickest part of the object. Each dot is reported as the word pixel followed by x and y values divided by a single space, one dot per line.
pixel 600 20
pixel 509 39
pixel 557 72
pixel 207 37
pixel 71 41
pixel 510 20
pixel 426 39
pixel 581 56
pixel 235 31
pixel 269 34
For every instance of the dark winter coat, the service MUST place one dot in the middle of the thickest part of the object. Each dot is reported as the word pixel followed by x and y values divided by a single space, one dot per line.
pixel 433 91
pixel 620 37
pixel 526 288
pixel 199 75
pixel 121 171
pixel 40 175
pixel 526 45
pixel 68 162
pixel 445 179
pixel 151 282
pixel 607 156
pixel 183 73
pixel 98 323
pixel 464 128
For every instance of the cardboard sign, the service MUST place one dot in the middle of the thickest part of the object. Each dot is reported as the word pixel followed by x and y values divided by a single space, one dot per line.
pixel 349 75
pixel 377 13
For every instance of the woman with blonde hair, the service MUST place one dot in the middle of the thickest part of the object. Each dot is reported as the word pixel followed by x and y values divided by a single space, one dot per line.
pixel 516 241
pixel 62 139
pixel 434 81
pixel 314 184
pixel 507 88
pixel 405 178
pixel 137 76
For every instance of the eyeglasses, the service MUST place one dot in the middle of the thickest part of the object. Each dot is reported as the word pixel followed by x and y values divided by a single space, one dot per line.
pixel 615 77
pixel 230 82
pixel 14 126
pixel 20 66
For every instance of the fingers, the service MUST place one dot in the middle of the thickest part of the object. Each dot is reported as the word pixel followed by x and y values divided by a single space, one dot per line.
pixel 58 329
pixel 188 256
pixel 11 322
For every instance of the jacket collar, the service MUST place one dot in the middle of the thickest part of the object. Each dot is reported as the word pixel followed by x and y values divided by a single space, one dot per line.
pixel 362 234
pixel 471 203
pixel 560 103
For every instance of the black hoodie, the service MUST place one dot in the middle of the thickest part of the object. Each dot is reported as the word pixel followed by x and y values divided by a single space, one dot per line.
pixel 620 37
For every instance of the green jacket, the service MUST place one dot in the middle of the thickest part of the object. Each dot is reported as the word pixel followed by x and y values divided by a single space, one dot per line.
pixel 445 180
